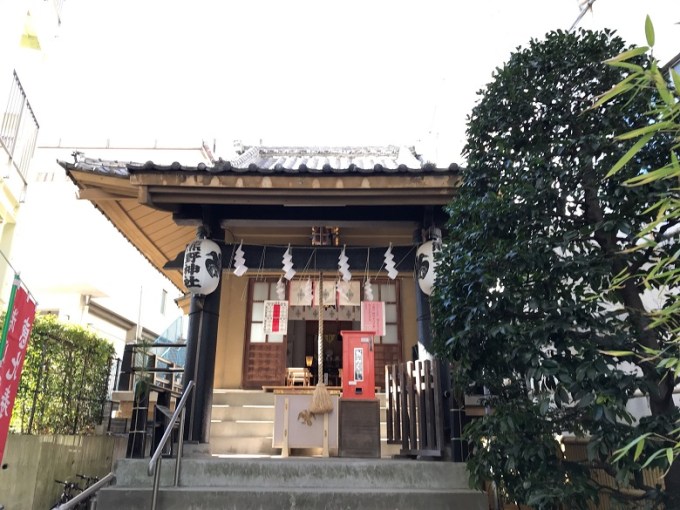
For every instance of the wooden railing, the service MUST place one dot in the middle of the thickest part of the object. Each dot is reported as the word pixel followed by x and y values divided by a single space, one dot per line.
pixel 415 414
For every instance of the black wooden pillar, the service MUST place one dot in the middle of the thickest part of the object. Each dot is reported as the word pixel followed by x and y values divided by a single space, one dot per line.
pixel 425 351
pixel 204 314
pixel 422 312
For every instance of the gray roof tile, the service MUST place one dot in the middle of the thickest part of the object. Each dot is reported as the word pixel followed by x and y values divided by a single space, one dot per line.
pixel 290 160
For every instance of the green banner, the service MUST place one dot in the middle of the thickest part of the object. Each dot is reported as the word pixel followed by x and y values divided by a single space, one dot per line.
pixel 5 326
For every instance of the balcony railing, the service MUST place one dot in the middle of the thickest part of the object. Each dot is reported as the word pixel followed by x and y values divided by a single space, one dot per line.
pixel 19 129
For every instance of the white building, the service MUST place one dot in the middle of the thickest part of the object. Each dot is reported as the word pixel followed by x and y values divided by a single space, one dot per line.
pixel 70 258
pixel 27 29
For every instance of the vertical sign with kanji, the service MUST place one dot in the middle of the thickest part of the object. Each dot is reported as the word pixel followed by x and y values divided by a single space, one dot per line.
pixel 276 317
pixel 19 321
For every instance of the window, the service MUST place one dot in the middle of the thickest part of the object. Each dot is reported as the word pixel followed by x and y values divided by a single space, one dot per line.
pixel 262 291
pixel 387 292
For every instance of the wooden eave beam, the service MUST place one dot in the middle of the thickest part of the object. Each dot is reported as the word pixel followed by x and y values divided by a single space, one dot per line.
pixel 97 195
pixel 113 185
pixel 295 181
pixel 321 197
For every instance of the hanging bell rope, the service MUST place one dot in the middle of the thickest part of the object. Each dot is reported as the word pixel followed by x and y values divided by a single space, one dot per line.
pixel 321 399
pixel 320 337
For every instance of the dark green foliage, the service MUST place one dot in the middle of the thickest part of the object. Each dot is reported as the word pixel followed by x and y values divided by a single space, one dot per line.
pixel 522 304
pixel 65 380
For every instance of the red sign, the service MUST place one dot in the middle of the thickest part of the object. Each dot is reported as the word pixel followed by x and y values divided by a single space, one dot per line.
pixel 20 318
pixel 276 317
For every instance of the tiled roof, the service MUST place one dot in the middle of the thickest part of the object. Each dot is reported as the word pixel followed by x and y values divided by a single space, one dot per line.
pixel 291 160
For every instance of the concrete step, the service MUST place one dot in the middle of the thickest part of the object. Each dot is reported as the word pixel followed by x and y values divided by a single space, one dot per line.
pixel 243 422
pixel 295 483
pixel 200 498
pixel 226 412
pixel 242 397
pixel 245 445
pixel 241 428
pixel 329 473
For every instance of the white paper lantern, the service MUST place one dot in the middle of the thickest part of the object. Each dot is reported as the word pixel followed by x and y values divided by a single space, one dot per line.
pixel 202 266
pixel 425 266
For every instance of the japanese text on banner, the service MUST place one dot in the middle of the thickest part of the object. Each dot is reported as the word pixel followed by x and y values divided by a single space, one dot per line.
pixel 20 317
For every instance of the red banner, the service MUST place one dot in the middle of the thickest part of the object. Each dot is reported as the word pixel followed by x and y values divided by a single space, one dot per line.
pixel 20 318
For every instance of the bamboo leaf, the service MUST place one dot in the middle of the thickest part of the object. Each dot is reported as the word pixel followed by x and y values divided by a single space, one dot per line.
pixel 656 127
pixel 651 458
pixel 634 52
pixel 662 87
pixel 627 65
pixel 638 450
pixel 638 440
pixel 655 175
pixel 676 80
pixel 618 353
pixel 649 31
pixel 619 88
pixel 629 155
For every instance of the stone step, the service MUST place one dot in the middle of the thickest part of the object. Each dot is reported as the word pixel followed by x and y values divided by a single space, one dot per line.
pixel 241 428
pixel 201 498
pixel 242 397
pixel 243 423
pixel 295 483
pixel 225 412
pixel 329 473
pixel 244 445
pixel 245 397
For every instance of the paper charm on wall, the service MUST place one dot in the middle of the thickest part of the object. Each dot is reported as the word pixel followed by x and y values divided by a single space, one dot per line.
pixel 288 271
pixel 328 293
pixel 240 267
pixel 300 293
pixel 276 317
pixel 343 266
pixel 373 317
pixel 281 289
pixel 349 293
pixel 389 264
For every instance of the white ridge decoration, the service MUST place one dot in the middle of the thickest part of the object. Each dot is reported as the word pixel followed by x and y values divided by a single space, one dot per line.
pixel 281 289
pixel 288 271
pixel 389 264
pixel 368 291
pixel 240 267
pixel 343 266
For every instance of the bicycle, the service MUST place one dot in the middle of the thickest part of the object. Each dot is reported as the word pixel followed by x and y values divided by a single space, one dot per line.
pixel 89 480
pixel 68 492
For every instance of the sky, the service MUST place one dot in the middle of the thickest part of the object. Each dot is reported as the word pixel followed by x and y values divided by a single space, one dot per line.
pixel 302 72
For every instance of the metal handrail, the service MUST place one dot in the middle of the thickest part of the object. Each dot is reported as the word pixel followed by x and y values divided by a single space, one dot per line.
pixel 155 462
pixel 83 496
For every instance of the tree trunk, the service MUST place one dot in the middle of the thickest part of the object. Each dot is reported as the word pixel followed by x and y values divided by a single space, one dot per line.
pixel 660 401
